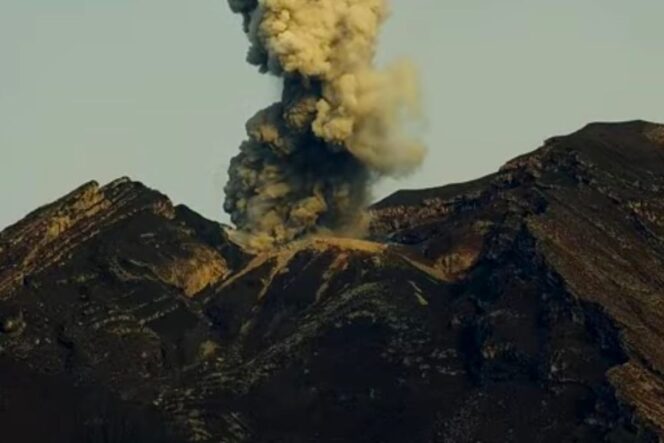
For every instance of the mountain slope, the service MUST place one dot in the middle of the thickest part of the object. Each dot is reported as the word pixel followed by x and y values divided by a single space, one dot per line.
pixel 593 203
pixel 524 306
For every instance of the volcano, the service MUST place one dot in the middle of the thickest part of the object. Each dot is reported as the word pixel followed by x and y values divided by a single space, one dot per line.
pixel 526 306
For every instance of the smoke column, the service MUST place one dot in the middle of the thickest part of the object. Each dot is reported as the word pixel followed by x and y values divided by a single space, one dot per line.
pixel 310 159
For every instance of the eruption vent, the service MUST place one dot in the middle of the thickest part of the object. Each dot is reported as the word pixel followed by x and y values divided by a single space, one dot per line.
pixel 310 160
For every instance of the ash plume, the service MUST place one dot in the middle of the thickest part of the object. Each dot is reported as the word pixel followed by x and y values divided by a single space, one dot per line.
pixel 310 159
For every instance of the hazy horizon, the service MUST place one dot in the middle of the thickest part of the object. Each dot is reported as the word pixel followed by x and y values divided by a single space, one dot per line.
pixel 159 90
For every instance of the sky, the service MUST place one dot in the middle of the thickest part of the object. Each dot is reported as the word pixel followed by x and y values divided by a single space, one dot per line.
pixel 158 90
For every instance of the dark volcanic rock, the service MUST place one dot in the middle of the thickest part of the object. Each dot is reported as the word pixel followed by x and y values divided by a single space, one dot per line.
pixel 525 306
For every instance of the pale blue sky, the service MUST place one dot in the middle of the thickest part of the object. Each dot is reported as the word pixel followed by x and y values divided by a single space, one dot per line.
pixel 158 89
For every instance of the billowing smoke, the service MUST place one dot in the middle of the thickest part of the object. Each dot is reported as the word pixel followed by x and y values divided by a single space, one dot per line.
pixel 310 160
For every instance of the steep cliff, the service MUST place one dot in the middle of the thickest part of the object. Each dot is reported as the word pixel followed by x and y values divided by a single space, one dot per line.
pixel 524 306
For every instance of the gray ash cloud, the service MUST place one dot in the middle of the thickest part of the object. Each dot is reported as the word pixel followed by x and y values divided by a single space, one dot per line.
pixel 310 160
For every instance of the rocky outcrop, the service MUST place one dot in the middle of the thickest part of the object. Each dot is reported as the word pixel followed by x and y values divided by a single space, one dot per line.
pixel 524 306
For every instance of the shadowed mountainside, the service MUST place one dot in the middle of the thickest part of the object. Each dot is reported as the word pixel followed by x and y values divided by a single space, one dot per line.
pixel 524 306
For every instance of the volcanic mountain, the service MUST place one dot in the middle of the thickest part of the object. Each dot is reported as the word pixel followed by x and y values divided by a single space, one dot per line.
pixel 526 306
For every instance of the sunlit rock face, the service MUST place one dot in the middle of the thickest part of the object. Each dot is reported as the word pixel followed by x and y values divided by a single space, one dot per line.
pixel 523 306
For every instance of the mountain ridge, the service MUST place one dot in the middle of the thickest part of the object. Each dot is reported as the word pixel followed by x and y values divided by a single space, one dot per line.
pixel 531 298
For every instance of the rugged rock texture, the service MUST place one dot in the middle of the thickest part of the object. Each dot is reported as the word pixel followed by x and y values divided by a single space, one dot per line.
pixel 525 306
